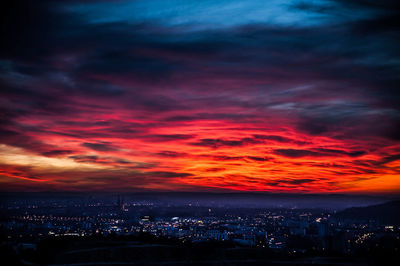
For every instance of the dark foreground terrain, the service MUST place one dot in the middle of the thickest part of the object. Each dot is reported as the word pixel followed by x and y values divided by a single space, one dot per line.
pixel 145 249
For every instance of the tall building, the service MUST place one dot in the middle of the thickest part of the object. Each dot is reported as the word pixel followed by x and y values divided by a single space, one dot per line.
pixel 120 203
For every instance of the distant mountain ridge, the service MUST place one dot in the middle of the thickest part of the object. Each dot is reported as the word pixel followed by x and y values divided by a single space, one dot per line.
pixel 386 213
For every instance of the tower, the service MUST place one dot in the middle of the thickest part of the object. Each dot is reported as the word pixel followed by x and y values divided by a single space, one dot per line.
pixel 119 202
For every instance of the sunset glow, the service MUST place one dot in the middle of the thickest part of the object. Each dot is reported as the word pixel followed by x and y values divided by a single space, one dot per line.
pixel 186 99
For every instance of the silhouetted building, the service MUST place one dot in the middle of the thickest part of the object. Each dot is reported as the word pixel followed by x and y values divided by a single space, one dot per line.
pixel 120 203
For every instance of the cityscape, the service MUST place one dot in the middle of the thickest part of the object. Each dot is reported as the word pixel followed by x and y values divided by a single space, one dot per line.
pixel 134 221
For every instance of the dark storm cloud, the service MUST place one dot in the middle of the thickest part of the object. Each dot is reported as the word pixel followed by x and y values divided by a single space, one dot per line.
pixel 381 39
pixel 259 159
pixel 166 137
pixel 210 116
pixel 296 181
pixel 25 141
pixel 295 153
pixel 150 52
pixel 27 99
pixel 53 153
pixel 289 182
pixel 25 172
pixel 26 29
pixel 216 143
pixel 390 158
pixel 84 158
pixel 100 146
pixel 139 67
pixel 112 161
pixel 280 139
pixel 292 153
pixel 225 158
pixel 171 154
pixel 337 152
pixel 162 174
pixel 215 169
pixel 274 138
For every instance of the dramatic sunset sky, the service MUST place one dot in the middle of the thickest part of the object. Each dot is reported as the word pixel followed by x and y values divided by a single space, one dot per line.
pixel 200 95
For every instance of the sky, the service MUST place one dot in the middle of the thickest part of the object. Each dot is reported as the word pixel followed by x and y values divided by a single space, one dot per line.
pixel 172 95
